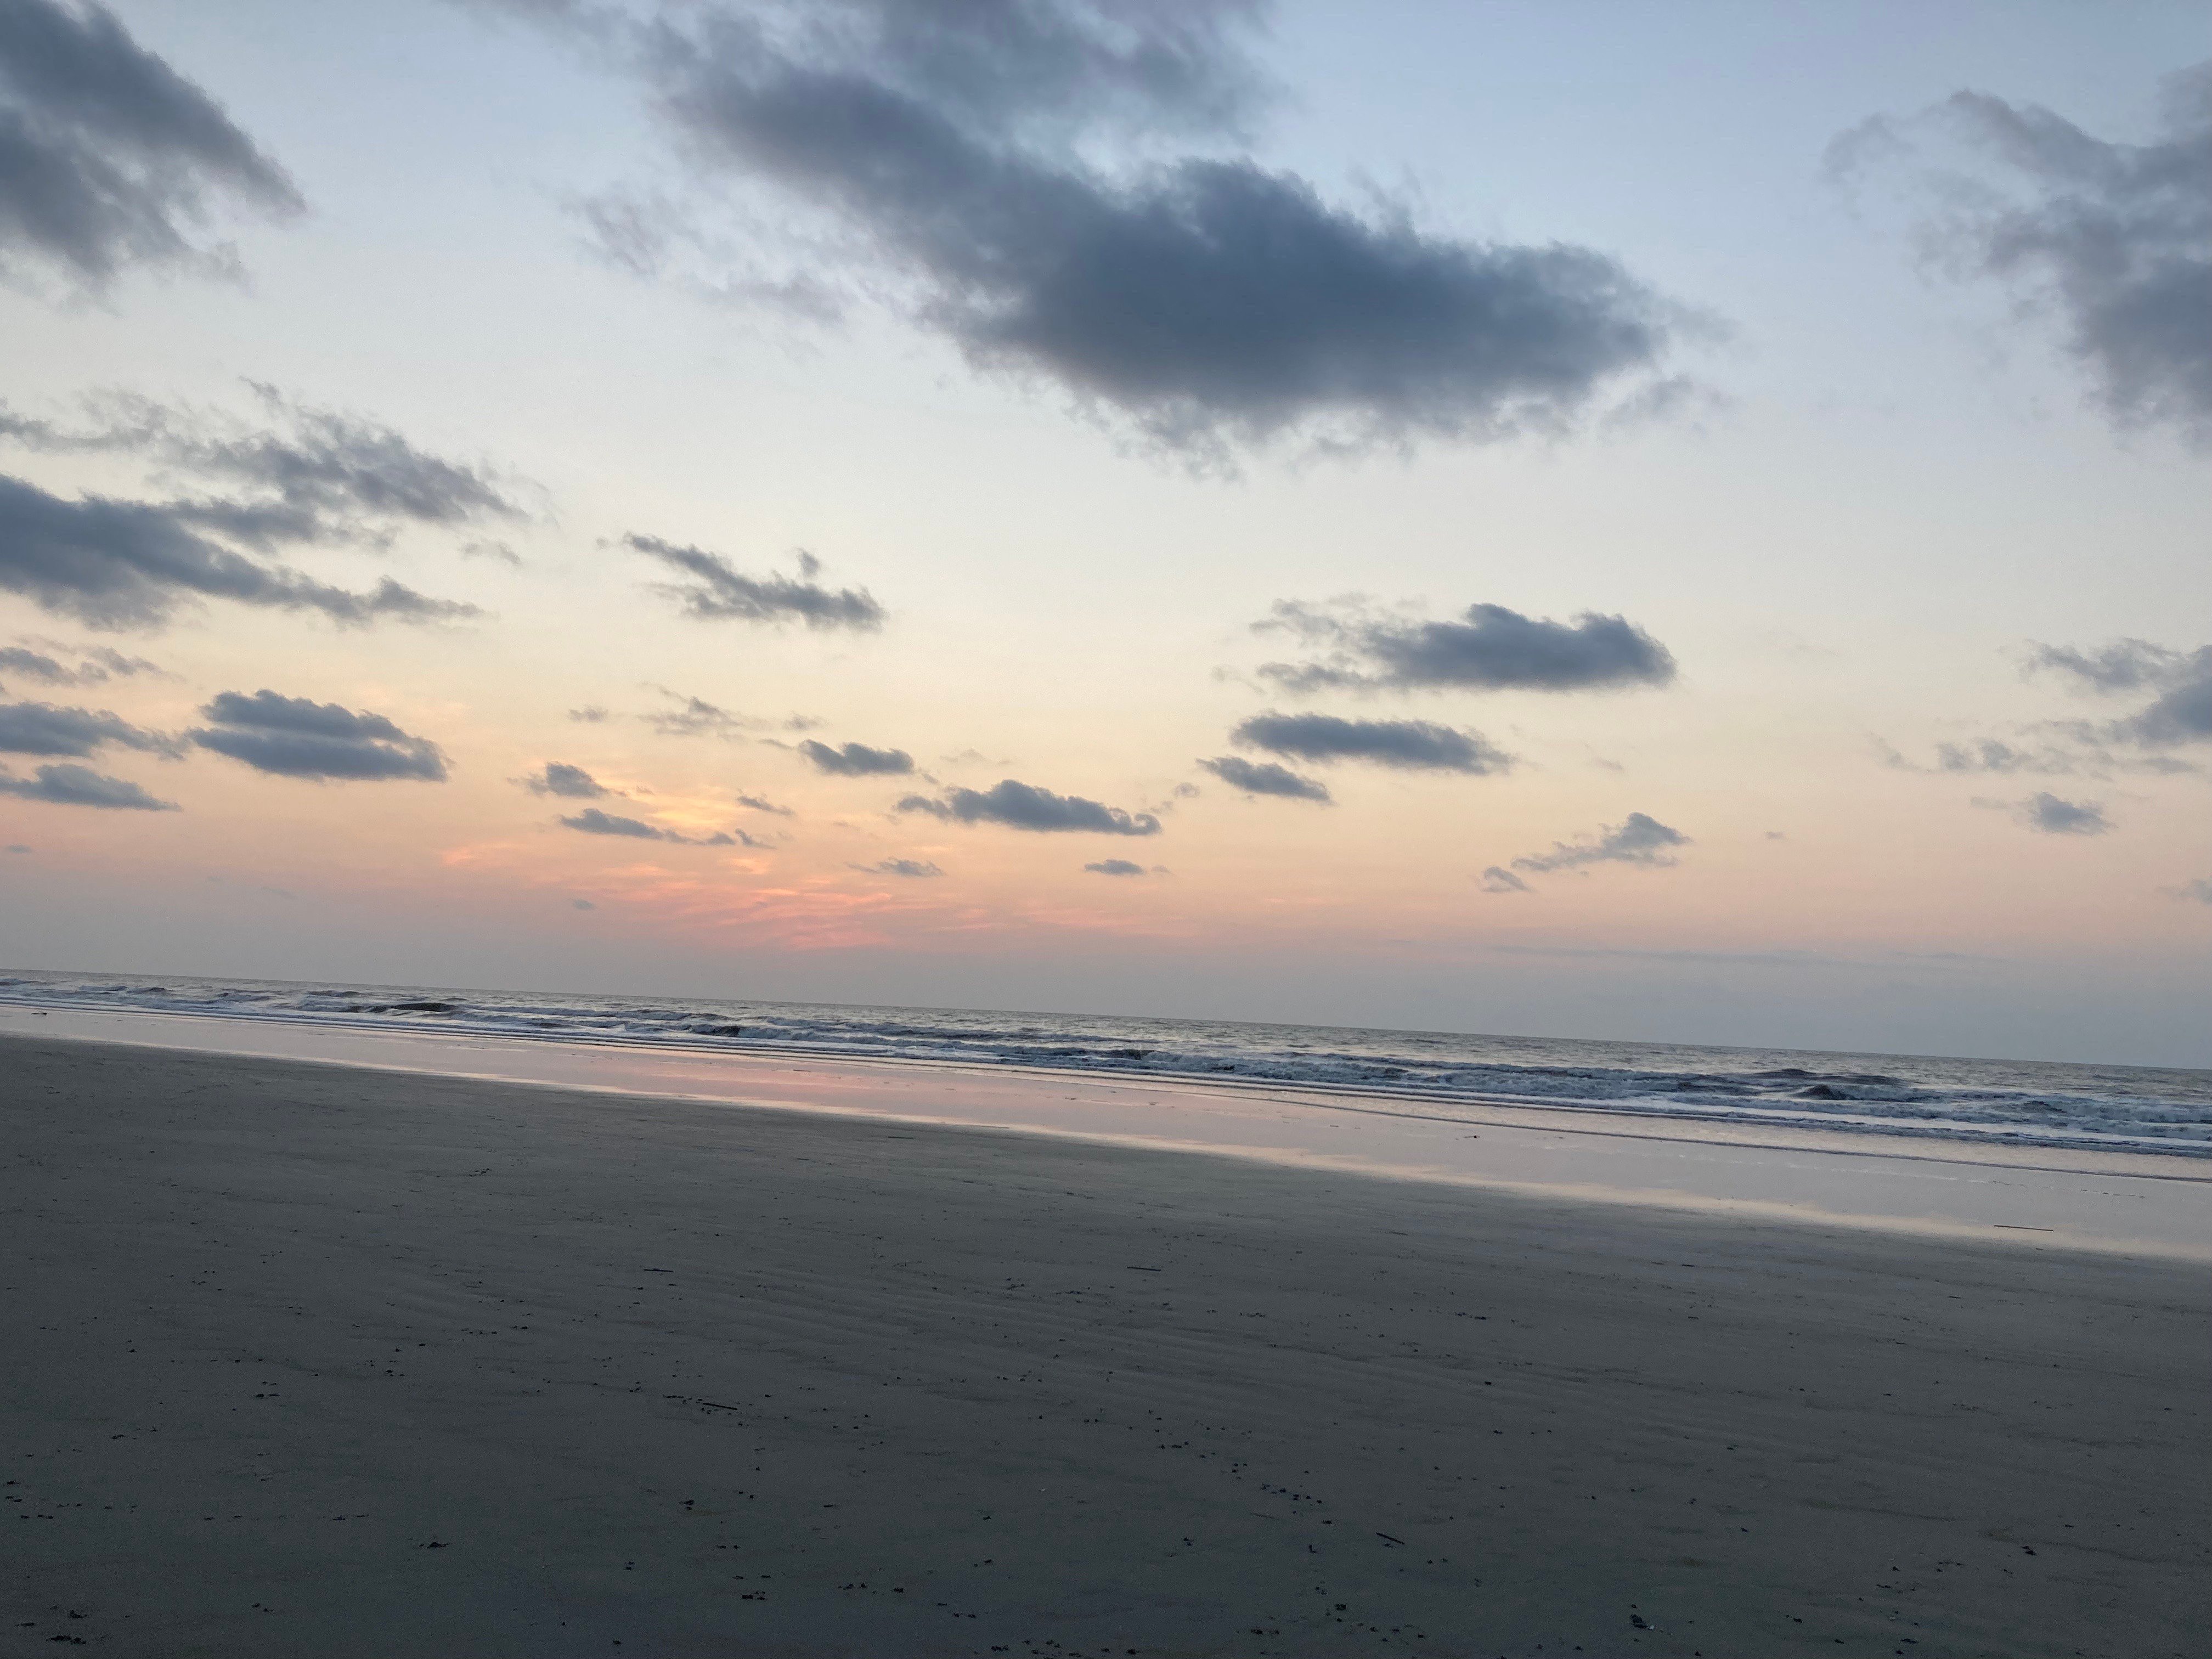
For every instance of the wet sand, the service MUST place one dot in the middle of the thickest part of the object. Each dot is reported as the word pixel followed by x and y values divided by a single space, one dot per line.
pixel 303 1358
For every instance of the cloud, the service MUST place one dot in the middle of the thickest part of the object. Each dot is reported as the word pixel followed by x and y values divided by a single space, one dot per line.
pixel 17 847
pixel 40 728
pixel 915 869
pixel 95 666
pixel 582 904
pixel 2200 889
pixel 298 738
pixel 593 822
pixel 2122 666
pixel 2049 815
pixel 115 563
pixel 1639 839
pixel 2181 712
pixel 592 717
pixel 694 717
pixel 65 785
pixel 717 592
pixel 1114 867
pixel 857 760
pixel 109 157
pixel 570 782
pixel 1266 778
pixel 309 475
pixel 1994 754
pixel 1024 806
pixel 761 804
pixel 996 171
pixel 1407 745
pixel 1490 649
pixel 2114 240
pixel 2177 712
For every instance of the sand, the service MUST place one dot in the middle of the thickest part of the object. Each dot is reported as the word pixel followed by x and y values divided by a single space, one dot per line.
pixel 311 1359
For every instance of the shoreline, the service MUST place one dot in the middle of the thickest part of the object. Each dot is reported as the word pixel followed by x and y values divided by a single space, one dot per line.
pixel 2143 1109
pixel 314 1357
pixel 1744 1119
pixel 2131 1202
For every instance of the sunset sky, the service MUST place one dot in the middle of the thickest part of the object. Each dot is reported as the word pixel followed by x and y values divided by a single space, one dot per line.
pixel 1679 522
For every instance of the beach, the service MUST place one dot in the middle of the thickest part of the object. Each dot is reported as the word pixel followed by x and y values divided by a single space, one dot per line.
pixel 307 1358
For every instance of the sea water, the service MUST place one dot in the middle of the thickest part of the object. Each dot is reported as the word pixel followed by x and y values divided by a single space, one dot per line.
pixel 2119 1108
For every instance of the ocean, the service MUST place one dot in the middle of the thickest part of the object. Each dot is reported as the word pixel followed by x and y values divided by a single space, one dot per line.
pixel 2117 1108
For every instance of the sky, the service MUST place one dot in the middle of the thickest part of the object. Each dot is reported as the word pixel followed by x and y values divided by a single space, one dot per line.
pixel 1675 523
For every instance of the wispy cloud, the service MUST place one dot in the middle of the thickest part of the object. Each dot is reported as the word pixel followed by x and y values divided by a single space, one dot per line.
pixel 1638 839
pixel 911 869
pixel 591 821
pixel 2053 815
pixel 116 563
pixel 2112 240
pixel 716 592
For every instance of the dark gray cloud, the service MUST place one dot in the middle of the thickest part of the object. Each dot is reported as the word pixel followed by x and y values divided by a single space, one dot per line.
pixel 307 474
pixel 109 157
pixel 857 760
pixel 2200 889
pixel 299 737
pixel 912 869
pixel 41 728
pixel 581 904
pixel 593 822
pixel 1640 838
pixel 1266 778
pixel 761 804
pixel 716 592
pixel 2051 815
pixel 67 785
pixel 95 664
pixel 1114 867
pixel 592 716
pixel 958 156
pixel 1025 806
pixel 569 782
pixel 114 563
pixel 17 847
pixel 2113 238
pixel 1406 745
pixel 1490 648
pixel 2180 713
